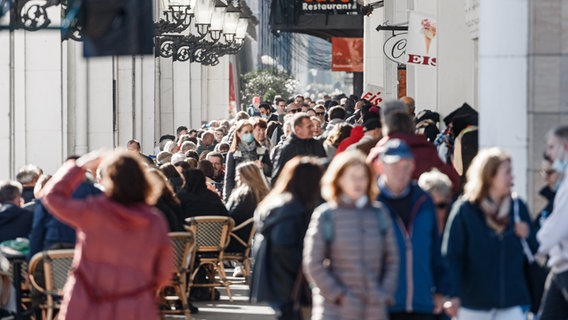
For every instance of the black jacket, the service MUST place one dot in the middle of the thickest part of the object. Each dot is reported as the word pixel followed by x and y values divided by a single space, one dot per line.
pixel 279 255
pixel 202 203
pixel 15 222
pixel 172 213
pixel 294 146
pixel 240 210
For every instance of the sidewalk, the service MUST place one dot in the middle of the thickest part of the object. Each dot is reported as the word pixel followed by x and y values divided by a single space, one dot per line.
pixel 239 309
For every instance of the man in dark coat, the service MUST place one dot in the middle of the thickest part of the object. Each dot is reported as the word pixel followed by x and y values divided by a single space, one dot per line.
pixel 300 143
pixel 15 222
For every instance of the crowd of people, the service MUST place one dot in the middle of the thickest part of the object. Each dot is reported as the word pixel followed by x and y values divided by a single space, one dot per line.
pixel 359 212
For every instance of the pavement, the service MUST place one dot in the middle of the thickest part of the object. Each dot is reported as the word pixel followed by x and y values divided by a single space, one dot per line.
pixel 223 309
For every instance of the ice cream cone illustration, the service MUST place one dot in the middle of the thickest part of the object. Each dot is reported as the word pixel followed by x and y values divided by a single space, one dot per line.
pixel 429 31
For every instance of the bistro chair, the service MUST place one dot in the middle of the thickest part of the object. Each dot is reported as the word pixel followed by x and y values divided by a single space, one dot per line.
pixel 56 265
pixel 183 246
pixel 242 257
pixel 211 239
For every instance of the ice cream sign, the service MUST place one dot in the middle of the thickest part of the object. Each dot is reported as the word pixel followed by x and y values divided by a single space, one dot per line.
pixel 421 47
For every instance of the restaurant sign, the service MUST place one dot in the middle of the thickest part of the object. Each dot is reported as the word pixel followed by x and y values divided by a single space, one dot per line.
pixel 329 7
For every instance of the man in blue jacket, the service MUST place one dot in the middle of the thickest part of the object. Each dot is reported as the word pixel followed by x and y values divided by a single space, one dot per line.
pixel 421 282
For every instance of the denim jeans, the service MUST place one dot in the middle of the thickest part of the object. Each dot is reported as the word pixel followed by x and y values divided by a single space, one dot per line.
pixel 513 313
pixel 555 300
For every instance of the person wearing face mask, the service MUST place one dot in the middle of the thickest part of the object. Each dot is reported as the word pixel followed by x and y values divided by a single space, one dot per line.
pixel 553 235
pixel 244 148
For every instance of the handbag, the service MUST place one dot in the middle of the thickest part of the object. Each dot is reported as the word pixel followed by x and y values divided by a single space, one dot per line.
pixel 535 274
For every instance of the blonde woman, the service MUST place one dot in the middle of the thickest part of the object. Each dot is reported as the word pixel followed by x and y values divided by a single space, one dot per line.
pixel 251 189
pixel 354 235
pixel 483 244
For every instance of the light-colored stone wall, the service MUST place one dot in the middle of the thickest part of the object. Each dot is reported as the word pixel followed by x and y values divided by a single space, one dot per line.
pixel 54 103
pixel 547 83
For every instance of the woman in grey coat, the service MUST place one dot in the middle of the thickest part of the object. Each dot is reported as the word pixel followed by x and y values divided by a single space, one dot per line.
pixel 350 253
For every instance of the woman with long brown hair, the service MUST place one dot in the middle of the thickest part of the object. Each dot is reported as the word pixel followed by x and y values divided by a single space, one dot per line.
pixel 111 277
pixel 282 219
pixel 250 191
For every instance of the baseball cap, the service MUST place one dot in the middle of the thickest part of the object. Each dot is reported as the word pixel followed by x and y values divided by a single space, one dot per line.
pixel 395 150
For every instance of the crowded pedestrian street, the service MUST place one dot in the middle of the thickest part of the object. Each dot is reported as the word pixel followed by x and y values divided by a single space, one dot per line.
pixel 283 159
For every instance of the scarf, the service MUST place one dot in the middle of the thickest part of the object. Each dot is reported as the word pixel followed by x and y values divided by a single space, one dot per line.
pixel 496 215
pixel 248 151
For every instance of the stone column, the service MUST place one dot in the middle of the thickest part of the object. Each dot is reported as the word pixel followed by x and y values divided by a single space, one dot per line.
pixel 503 62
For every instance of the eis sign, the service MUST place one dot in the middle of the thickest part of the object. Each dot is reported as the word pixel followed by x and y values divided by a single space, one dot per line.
pixel 329 6
pixel 421 48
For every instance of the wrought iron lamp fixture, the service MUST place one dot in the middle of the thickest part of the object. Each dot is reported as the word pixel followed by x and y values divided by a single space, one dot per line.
pixel 219 28
pixel 191 30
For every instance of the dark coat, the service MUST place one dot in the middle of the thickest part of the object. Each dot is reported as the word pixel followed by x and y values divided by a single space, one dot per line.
pixel 549 194
pixel 294 146
pixel 202 203
pixel 47 230
pixel 279 255
pixel 172 213
pixel 486 269
pixel 28 194
pixel 240 210
pixel 15 222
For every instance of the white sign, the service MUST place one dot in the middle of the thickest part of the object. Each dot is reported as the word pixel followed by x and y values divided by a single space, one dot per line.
pixel 395 48
pixel 374 94
pixel 422 39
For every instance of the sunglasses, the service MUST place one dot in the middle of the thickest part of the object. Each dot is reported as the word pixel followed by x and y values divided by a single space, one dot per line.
pixel 294 110
pixel 441 205
pixel 320 113
pixel 548 172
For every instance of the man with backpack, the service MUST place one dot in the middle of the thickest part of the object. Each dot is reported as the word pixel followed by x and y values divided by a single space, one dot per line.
pixel 421 276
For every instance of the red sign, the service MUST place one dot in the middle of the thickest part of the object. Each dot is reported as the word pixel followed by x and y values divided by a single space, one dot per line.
pixel 347 54
pixel 374 98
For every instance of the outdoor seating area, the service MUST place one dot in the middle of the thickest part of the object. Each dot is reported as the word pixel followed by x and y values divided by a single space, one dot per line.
pixel 201 247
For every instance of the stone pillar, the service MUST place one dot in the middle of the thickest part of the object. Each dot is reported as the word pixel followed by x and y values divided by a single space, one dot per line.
pixel 503 63
pixel 7 106
pixel 456 58
pixel 218 91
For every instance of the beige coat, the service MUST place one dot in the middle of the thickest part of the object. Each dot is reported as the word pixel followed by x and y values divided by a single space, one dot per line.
pixel 364 263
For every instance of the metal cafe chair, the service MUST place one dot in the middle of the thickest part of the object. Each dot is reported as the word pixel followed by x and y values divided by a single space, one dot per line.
pixel 211 239
pixel 56 267
pixel 242 257
pixel 183 246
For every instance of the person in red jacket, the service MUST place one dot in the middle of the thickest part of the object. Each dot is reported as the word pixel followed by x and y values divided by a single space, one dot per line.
pixel 399 125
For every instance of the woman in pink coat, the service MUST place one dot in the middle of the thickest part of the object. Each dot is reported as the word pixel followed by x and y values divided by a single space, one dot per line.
pixel 123 254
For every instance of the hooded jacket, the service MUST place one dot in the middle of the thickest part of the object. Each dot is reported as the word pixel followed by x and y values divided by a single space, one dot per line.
pixel 425 156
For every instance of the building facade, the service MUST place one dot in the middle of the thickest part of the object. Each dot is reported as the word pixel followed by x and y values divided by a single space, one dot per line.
pixel 503 57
